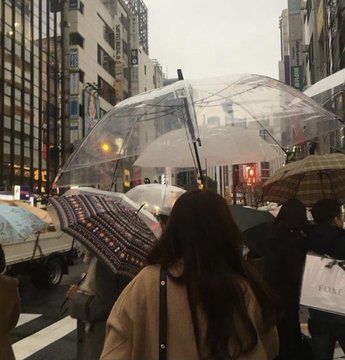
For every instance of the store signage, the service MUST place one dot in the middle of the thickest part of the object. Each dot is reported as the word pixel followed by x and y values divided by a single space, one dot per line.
pixel 320 19
pixel 118 91
pixel 73 59
pixel 74 108
pixel 118 43
pixel 21 192
pixel 134 56
pixel 296 52
pixel 74 83
pixel 297 77
pixel 73 4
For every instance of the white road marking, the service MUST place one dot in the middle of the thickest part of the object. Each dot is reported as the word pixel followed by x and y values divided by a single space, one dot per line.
pixel 25 318
pixel 36 342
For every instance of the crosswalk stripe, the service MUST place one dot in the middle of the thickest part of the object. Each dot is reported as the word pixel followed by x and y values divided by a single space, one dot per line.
pixel 35 342
pixel 25 318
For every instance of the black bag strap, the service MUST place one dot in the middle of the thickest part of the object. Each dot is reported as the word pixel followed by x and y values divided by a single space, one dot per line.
pixel 163 314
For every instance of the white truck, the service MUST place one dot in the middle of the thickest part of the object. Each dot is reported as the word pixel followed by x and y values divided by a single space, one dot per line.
pixel 45 257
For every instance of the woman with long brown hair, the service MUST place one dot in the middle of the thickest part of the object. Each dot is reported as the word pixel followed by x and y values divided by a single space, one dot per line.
pixel 216 307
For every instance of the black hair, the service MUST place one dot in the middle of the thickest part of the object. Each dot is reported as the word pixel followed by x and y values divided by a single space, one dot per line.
pixel 2 260
pixel 163 219
pixel 292 215
pixel 202 233
pixel 325 210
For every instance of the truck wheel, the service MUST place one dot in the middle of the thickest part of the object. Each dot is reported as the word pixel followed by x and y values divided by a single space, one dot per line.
pixel 49 275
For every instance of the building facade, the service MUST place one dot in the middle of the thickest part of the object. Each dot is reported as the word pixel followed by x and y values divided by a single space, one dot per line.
pixel 30 84
pixel 146 74
pixel 313 48
pixel 96 53
pixel 107 59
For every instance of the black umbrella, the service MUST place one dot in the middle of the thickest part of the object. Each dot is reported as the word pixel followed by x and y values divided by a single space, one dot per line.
pixel 255 226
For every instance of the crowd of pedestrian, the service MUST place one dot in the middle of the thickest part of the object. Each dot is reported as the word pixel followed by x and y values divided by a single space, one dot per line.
pixel 199 298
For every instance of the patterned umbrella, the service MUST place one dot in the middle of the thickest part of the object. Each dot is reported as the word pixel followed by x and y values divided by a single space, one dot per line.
pixel 309 180
pixel 17 224
pixel 108 227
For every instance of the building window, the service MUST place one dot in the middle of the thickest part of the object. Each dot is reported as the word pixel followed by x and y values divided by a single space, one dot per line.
pixel 125 47
pixel 145 69
pixel 106 91
pixel 108 33
pixel 81 76
pixel 76 39
pixel 106 61
pixel 81 7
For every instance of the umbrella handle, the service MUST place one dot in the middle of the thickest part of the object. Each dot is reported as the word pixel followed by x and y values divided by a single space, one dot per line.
pixel 63 311
pixel 141 206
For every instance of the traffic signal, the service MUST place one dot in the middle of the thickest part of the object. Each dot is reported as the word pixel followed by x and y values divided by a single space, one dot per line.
pixel 251 175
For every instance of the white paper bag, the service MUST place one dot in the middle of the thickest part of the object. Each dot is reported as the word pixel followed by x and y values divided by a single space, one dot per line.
pixel 323 285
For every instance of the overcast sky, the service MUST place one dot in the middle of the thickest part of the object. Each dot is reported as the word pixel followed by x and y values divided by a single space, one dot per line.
pixel 209 38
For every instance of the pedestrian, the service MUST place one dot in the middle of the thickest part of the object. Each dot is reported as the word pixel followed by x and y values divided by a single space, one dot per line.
pixel 283 271
pixel 216 306
pixel 91 303
pixel 327 237
pixel 9 309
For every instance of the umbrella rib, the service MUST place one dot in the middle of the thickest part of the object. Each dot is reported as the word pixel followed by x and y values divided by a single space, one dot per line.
pixel 298 184
pixel 331 183
pixel 322 189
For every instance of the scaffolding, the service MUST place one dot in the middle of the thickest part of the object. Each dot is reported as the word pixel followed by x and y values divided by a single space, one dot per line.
pixel 138 8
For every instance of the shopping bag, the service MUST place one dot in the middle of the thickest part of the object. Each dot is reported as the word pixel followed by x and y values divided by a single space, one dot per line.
pixel 323 285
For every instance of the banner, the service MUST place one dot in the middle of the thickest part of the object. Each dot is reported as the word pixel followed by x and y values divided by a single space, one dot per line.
pixel 91 110
pixel 74 83
pixel 134 57
pixel 73 59
pixel 74 108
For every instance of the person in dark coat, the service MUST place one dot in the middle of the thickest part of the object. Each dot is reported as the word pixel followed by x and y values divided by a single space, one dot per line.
pixel 9 309
pixel 327 237
pixel 283 270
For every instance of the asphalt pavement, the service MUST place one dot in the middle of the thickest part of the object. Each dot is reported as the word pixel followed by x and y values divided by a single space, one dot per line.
pixel 43 332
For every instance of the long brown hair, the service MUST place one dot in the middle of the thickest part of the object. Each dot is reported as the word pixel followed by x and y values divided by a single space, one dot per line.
pixel 201 232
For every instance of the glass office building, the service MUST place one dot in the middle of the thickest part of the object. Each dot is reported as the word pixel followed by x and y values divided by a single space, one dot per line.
pixel 30 93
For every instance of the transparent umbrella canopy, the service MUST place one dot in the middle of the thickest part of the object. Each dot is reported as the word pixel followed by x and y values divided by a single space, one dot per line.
pixel 275 112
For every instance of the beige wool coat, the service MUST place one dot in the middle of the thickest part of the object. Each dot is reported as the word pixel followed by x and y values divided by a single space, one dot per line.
pixel 9 314
pixel 133 325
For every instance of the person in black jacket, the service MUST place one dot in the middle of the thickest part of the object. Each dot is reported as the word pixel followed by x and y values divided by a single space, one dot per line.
pixel 327 237
pixel 283 270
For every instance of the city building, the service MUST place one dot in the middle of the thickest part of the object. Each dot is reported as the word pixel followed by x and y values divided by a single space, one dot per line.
pixel 106 44
pixel 31 134
pixel 146 74
pixel 313 48
pixel 96 53
pixel 291 64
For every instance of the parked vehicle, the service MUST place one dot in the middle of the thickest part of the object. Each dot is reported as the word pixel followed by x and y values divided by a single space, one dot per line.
pixel 45 257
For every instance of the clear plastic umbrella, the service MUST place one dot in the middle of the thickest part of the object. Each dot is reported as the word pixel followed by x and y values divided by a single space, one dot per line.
pixel 276 112
pixel 220 146
pixel 157 198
